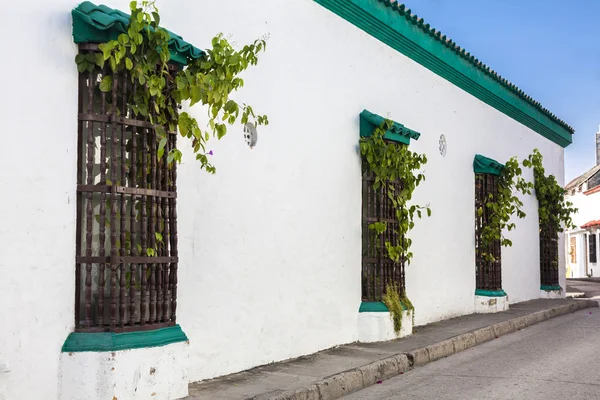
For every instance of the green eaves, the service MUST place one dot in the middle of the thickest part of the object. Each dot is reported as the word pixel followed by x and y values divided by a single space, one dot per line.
pixel 395 26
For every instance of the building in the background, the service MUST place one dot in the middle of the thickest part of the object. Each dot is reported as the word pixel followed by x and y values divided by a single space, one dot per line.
pixel 582 242
pixel 265 260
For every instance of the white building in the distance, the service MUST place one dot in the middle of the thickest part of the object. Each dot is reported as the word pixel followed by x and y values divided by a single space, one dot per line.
pixel 582 242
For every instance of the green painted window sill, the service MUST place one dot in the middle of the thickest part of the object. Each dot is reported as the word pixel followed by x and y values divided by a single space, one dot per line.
pixel 549 288
pixel 490 293
pixel 375 306
pixel 372 306
pixel 110 341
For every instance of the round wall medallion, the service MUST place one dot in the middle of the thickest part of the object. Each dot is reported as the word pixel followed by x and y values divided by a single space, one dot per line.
pixel 250 134
pixel 443 145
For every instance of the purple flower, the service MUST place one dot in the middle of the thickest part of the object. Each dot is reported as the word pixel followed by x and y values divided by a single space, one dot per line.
pixel 210 153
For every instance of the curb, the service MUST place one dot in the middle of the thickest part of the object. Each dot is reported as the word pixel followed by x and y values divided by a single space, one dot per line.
pixel 353 380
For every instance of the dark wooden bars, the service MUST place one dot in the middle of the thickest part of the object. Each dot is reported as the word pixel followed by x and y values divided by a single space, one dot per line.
pixel 378 270
pixel 548 256
pixel 126 250
pixel 488 273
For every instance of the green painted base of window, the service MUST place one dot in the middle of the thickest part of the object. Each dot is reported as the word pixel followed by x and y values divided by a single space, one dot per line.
pixel 375 306
pixel 372 306
pixel 548 288
pixel 110 341
pixel 490 293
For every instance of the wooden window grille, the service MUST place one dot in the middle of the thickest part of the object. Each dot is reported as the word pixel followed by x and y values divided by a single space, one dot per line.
pixel 378 270
pixel 548 256
pixel 126 243
pixel 488 272
pixel 592 247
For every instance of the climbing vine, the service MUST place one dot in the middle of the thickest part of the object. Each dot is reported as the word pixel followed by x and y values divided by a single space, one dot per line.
pixel 391 162
pixel 502 206
pixel 555 212
pixel 209 80
pixel 162 86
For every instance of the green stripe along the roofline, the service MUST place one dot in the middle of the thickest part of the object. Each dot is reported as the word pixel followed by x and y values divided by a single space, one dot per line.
pixel 110 341
pixel 409 39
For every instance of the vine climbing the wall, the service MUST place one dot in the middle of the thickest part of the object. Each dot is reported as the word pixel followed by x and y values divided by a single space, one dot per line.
pixel 162 87
pixel 555 212
pixel 502 206
pixel 209 80
pixel 391 163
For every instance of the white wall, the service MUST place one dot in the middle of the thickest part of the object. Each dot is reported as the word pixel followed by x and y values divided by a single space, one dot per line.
pixel 588 207
pixel 270 246
pixel 273 246
pixel 37 164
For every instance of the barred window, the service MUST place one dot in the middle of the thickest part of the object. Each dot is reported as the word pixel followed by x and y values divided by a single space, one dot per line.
pixel 126 257
pixel 592 247
pixel 548 256
pixel 378 270
pixel 488 273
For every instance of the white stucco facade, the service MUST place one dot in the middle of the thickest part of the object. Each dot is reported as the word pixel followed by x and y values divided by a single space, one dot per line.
pixel 270 246
pixel 491 304
pixel 379 326
pixel 150 373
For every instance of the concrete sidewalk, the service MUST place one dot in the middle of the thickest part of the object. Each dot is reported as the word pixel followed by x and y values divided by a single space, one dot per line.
pixel 332 373
pixel 588 288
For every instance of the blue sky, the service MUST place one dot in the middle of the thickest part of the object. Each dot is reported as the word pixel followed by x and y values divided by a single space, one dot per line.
pixel 548 48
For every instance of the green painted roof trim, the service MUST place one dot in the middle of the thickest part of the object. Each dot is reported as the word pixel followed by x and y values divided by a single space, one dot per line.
pixel 484 165
pixel 395 26
pixel 110 341
pixel 398 133
pixel 549 288
pixel 490 293
pixel 99 24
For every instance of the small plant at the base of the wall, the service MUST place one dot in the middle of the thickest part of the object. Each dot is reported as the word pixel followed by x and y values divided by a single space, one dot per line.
pixel 503 205
pixel 397 303
pixel 143 52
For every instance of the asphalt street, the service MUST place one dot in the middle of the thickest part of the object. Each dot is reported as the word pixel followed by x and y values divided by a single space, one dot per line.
pixel 555 359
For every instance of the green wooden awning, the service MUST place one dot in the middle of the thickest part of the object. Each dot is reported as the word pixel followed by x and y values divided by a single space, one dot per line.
pixel 484 165
pixel 99 24
pixel 398 132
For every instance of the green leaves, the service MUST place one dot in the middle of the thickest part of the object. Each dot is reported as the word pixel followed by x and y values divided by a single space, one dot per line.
pixel 161 148
pixel 106 83
pixel 143 54
pixel 555 212
pixel 393 163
